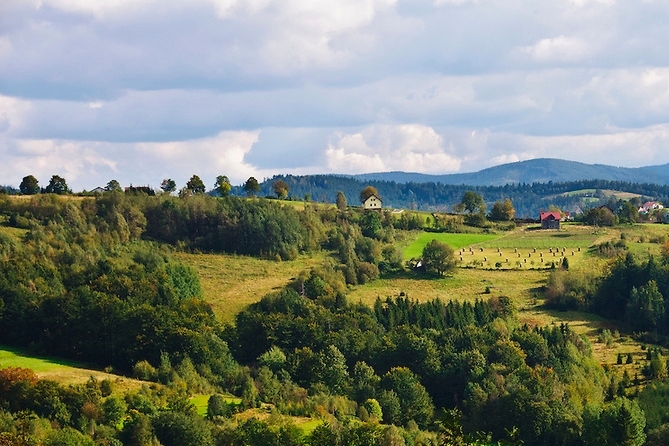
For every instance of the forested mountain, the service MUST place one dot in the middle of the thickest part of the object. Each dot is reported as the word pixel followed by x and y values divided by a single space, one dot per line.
pixel 528 199
pixel 540 170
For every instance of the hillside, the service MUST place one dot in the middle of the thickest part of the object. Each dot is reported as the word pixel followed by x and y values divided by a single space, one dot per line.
pixel 330 325
pixel 540 170
pixel 528 199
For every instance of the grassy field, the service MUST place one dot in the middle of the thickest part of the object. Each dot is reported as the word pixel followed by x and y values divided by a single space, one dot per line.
pixel 14 233
pixel 618 195
pixel 62 371
pixel 465 284
pixel 231 282
pixel 455 241
pixel 200 402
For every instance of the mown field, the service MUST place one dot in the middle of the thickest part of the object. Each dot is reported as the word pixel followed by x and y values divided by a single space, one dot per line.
pixel 456 241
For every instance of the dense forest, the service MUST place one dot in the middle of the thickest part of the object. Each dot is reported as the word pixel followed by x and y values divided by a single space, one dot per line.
pixel 94 279
pixel 528 199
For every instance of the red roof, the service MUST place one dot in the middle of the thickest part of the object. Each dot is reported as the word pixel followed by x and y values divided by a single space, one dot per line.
pixel 544 215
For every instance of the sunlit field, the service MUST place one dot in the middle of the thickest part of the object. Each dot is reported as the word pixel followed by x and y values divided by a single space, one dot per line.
pixel 231 282
pixel 63 371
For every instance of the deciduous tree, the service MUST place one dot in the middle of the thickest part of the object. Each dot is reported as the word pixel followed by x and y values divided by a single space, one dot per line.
pixel 281 189
pixel 502 211
pixel 251 187
pixel 168 185
pixel 57 185
pixel 222 185
pixel 195 185
pixel 341 201
pixel 29 185
pixel 438 257
pixel 471 202
pixel 113 186
pixel 367 192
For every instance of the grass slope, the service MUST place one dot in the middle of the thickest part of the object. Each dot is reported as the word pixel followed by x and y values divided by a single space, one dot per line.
pixel 231 282
pixel 60 370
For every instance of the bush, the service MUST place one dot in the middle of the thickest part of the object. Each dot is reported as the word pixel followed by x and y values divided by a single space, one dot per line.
pixel 145 371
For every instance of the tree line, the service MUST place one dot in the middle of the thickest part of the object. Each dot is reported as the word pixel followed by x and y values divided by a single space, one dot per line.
pixel 528 199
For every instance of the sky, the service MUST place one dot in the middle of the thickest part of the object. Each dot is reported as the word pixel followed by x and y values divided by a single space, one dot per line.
pixel 142 90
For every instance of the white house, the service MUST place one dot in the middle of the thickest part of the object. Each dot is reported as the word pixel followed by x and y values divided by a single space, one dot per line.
pixel 650 206
pixel 373 202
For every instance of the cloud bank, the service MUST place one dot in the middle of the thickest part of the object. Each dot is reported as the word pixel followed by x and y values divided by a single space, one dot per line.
pixel 142 90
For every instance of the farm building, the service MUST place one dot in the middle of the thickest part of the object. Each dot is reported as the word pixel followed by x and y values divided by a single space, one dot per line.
pixel 373 202
pixel 650 206
pixel 550 220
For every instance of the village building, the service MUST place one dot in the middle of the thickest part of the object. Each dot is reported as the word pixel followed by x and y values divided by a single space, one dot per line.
pixel 650 206
pixel 373 202
pixel 550 220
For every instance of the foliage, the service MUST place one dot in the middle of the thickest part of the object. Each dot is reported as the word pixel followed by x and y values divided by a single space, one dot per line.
pixel 29 185
pixel 600 216
pixel 471 202
pixel 113 186
pixel 527 198
pixel 168 185
pixel 222 185
pixel 57 185
pixel 83 284
pixel 438 257
pixel 341 201
pixel 281 189
pixel 367 192
pixel 502 210
pixel 251 187
pixel 195 185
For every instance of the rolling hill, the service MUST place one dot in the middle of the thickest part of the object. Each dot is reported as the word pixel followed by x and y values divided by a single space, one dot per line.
pixel 540 170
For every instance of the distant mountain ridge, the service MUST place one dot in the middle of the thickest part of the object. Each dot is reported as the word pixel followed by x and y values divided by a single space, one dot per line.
pixel 532 186
pixel 540 170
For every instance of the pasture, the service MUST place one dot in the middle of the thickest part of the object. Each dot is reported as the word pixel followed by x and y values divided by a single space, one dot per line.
pixel 231 282
pixel 455 241
pixel 60 370
pixel 525 248
pixel 464 284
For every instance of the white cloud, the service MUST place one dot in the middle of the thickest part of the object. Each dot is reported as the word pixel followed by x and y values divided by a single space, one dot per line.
pixel 12 112
pixel 453 2
pixel 559 49
pixel 75 161
pixel 409 147
pixel 5 46
pixel 98 8
pixel 648 145
pixel 584 3
pixel 260 86
pixel 220 155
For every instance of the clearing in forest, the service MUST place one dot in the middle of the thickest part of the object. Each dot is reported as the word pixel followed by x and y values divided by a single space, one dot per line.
pixel 60 370
pixel 232 282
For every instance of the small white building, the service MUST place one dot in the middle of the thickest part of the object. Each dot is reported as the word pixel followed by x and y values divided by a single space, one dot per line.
pixel 373 202
pixel 650 206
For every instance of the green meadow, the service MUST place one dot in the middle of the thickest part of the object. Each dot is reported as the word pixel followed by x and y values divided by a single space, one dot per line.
pixel 63 371
pixel 455 241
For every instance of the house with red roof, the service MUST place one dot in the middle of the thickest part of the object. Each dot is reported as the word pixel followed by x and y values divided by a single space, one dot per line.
pixel 550 220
